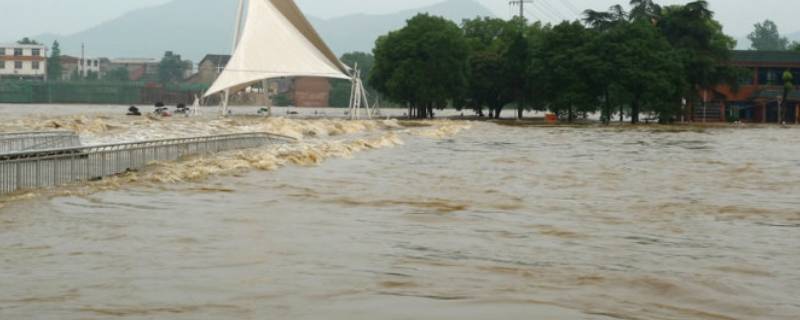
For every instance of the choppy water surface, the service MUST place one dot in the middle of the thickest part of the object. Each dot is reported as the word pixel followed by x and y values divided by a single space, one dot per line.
pixel 381 221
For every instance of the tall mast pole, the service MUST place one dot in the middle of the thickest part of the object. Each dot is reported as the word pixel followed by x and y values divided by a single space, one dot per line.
pixel 237 29
pixel 521 5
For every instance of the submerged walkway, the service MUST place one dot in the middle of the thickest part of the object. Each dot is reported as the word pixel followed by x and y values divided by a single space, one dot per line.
pixel 29 167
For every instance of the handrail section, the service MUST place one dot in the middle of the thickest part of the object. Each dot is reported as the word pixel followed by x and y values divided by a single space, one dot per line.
pixel 29 141
pixel 29 170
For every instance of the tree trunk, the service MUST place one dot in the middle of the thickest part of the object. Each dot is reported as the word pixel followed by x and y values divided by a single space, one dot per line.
pixel 520 111
pixel 607 108
pixel 430 112
pixel 621 113
pixel 635 111
pixel 497 112
pixel 571 114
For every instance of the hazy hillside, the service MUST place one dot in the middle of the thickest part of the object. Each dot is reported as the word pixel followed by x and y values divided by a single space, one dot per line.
pixel 358 32
pixel 194 28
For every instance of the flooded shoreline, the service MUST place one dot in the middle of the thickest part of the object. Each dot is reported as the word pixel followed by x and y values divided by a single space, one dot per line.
pixel 375 220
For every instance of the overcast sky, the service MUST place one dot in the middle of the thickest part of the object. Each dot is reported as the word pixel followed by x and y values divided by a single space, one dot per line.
pixel 22 18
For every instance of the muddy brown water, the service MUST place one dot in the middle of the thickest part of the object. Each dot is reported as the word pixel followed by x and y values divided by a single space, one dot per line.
pixel 377 221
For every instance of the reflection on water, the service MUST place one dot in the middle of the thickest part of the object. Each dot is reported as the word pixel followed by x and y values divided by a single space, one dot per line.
pixel 432 223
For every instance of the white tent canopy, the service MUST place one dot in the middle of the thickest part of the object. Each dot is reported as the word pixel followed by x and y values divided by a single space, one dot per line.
pixel 277 41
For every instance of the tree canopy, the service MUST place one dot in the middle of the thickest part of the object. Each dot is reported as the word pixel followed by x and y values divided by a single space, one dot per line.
pixel 341 89
pixel 645 60
pixel 171 68
pixel 54 68
pixel 766 37
pixel 423 65
pixel 28 41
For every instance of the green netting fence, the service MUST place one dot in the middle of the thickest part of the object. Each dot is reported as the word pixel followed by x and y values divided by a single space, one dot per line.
pixel 96 92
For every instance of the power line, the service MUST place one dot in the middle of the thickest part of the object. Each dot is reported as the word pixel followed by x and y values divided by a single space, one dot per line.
pixel 554 9
pixel 546 12
pixel 532 14
pixel 571 7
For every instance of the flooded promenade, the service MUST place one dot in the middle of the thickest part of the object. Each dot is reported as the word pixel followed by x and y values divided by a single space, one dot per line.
pixel 393 220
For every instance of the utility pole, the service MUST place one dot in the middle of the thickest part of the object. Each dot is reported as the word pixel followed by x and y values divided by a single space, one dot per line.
pixel 83 61
pixel 521 5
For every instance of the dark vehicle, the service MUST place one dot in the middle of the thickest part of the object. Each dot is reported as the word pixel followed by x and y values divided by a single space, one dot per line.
pixel 134 111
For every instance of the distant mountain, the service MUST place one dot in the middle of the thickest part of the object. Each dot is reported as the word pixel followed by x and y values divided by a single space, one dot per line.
pixel 359 32
pixel 194 28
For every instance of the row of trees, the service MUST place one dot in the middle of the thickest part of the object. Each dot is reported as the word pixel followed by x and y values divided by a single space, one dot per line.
pixel 646 59
pixel 171 68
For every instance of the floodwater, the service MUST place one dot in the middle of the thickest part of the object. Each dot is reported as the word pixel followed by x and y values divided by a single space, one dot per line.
pixel 435 220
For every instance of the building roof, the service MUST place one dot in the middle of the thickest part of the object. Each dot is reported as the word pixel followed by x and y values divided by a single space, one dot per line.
pixel 217 59
pixel 134 61
pixel 23 46
pixel 766 58
pixel 68 59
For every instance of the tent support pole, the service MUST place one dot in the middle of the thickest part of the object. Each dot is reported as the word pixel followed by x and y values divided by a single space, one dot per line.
pixel 267 102
pixel 236 31
pixel 238 28
pixel 226 95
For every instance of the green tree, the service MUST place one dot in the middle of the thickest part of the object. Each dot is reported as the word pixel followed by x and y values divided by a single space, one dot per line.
pixel 423 65
pixel 171 68
pixel 55 70
pixel 704 50
pixel 650 71
pixel 645 10
pixel 604 20
pixel 563 70
pixel 28 41
pixel 489 84
pixel 119 74
pixel 364 60
pixel 517 60
pixel 788 87
pixel 341 89
pixel 766 37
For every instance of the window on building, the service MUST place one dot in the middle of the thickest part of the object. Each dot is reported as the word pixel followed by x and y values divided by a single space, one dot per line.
pixel 2 64
pixel 2 51
pixel 35 65
pixel 36 52
pixel 747 78
pixel 96 63
pixel 17 65
pixel 17 52
pixel 769 76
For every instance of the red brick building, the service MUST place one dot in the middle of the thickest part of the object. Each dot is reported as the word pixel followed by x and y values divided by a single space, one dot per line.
pixel 757 99
pixel 311 92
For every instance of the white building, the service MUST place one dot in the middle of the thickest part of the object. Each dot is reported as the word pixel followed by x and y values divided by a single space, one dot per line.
pixel 74 68
pixel 88 65
pixel 23 61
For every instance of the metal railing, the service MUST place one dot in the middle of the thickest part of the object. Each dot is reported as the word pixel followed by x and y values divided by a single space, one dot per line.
pixel 50 168
pixel 28 141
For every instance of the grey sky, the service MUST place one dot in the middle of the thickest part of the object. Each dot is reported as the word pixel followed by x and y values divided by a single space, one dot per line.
pixel 23 18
